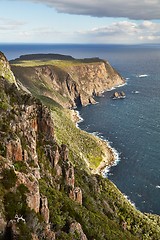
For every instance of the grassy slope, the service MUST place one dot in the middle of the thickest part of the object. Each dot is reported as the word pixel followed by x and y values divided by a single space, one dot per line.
pixel 80 143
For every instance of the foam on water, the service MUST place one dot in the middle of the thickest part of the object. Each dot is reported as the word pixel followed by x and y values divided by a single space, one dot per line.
pixel 79 117
pixel 142 75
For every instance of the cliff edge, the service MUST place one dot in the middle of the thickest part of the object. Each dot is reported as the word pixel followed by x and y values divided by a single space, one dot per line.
pixel 69 82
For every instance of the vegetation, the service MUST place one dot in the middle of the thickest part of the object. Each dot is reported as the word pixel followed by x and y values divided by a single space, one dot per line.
pixel 105 213
pixel 15 202
pixel 81 144
pixel 62 64
pixel 9 178
pixel 20 167
pixel 5 69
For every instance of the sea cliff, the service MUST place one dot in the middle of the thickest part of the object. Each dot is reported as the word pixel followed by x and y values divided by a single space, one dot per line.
pixel 47 189
pixel 69 82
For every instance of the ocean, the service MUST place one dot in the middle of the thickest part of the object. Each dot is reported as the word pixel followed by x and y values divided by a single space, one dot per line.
pixel 131 125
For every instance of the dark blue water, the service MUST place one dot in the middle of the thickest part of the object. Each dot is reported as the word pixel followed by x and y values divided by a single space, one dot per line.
pixel 132 125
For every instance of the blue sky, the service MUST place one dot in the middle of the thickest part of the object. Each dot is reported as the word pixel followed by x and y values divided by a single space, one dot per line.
pixel 85 21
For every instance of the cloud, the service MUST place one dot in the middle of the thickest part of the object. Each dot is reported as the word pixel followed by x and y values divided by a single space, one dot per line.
pixel 135 9
pixel 44 34
pixel 124 32
pixel 9 24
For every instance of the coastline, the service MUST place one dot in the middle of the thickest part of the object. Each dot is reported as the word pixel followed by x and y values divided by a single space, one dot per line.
pixel 111 156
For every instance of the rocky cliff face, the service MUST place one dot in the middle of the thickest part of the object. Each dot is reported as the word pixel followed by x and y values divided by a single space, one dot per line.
pixel 93 79
pixel 45 195
pixel 77 84
pixel 27 133
pixel 5 70
pixel 25 125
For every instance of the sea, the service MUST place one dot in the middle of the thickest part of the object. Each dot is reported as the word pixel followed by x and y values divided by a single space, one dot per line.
pixel 130 125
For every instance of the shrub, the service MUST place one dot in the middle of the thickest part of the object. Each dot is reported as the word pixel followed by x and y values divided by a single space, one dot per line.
pixel 9 178
pixel 15 202
pixel 20 166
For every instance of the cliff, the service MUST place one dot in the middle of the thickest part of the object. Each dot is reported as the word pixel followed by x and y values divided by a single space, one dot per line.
pixel 47 190
pixel 5 70
pixel 68 82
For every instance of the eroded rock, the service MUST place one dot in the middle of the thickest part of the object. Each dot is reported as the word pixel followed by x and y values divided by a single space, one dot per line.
pixel 76 227
pixel 44 210
pixel 14 150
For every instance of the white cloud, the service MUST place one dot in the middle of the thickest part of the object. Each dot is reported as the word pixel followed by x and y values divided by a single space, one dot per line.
pixel 117 32
pixel 9 24
pixel 44 35
pixel 124 32
pixel 134 9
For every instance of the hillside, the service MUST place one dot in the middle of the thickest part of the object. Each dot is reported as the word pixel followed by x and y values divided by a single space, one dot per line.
pixel 47 189
pixel 69 82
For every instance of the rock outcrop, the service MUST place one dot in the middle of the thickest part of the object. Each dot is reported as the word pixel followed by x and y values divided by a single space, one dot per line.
pixel 44 210
pixel 5 70
pixel 119 95
pixel 77 228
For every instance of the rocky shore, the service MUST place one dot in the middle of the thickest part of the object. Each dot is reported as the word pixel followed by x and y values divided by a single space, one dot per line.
pixel 109 157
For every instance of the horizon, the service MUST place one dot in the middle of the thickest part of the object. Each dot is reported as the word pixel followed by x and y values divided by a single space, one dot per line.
pixel 74 43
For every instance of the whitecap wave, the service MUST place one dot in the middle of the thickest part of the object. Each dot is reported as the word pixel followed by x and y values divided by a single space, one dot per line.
pixel 135 92
pixel 142 75
pixel 158 186
pixel 113 88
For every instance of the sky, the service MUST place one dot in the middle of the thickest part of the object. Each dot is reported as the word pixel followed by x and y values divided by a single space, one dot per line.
pixel 80 21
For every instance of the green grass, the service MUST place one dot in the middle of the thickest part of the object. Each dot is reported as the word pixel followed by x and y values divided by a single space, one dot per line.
pixel 81 144
pixel 6 73
pixel 64 64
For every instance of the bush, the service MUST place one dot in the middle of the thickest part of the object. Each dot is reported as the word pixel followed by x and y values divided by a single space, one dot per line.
pixel 15 202
pixel 20 167
pixel 9 178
